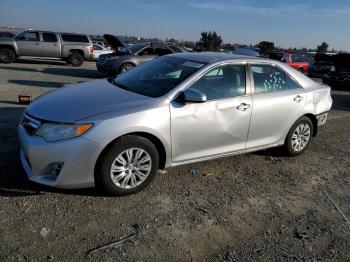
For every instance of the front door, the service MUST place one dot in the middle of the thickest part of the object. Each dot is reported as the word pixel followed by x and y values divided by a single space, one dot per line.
pixel 277 101
pixel 217 126
pixel 29 44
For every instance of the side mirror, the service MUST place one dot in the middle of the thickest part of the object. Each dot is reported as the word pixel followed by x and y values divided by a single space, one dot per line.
pixel 194 95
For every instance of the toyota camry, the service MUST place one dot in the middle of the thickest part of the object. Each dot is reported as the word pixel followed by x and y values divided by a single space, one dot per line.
pixel 115 133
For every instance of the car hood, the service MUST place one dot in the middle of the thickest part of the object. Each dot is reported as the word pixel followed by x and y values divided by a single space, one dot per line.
pixel 113 41
pixel 72 103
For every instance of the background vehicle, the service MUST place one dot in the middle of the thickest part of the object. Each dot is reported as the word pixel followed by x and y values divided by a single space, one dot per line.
pixel 72 48
pixel 322 65
pixel 174 110
pixel 100 50
pixel 339 75
pixel 295 61
pixel 129 56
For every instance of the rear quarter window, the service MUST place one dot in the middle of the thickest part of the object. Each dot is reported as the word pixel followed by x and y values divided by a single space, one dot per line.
pixel 75 38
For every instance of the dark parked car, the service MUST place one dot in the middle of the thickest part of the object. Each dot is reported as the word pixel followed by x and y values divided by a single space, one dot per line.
pixel 126 57
pixel 339 75
pixel 322 65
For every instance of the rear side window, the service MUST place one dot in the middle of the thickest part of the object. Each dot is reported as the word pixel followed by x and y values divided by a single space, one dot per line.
pixel 75 38
pixel 268 78
pixel 96 47
pixel 49 37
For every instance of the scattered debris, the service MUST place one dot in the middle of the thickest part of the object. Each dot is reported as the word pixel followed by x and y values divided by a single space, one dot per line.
pixel 336 206
pixel 136 227
pixel 194 172
pixel 162 171
pixel 302 236
pixel 117 243
pixel 44 231
pixel 273 160
pixel 203 210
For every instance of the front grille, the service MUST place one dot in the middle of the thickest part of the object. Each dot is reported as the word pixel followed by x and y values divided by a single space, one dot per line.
pixel 30 124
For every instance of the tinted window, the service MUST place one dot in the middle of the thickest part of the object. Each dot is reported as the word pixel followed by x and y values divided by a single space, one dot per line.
pixel 222 82
pixel 157 77
pixel 48 37
pixel 137 47
pixel 30 36
pixel 268 78
pixel 75 38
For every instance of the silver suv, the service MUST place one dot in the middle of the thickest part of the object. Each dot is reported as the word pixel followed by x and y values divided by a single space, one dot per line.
pixel 72 48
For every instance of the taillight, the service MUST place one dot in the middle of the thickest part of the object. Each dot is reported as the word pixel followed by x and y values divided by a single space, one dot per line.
pixel 91 49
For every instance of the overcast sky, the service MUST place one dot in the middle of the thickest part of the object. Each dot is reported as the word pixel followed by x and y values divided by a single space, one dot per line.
pixel 292 23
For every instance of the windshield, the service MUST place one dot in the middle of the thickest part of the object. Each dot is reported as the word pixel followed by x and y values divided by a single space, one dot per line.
pixel 157 77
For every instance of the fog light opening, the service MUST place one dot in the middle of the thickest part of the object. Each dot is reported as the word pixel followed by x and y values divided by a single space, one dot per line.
pixel 53 170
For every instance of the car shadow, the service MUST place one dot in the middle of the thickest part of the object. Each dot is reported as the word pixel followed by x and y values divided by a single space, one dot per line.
pixel 13 180
pixel 19 68
pixel 73 72
pixel 39 61
pixel 36 83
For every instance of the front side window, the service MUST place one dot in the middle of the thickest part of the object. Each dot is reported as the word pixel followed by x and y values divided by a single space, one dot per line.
pixel 222 82
pixel 157 77
pixel 30 36
pixel 268 78
pixel 49 37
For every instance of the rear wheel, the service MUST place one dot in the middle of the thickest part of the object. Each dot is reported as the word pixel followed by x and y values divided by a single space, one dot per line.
pixel 76 59
pixel 128 166
pixel 299 136
pixel 7 56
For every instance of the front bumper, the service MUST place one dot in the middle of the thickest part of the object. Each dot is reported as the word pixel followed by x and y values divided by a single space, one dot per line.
pixel 77 157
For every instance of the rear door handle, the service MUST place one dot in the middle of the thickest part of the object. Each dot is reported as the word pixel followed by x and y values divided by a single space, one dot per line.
pixel 243 107
pixel 298 98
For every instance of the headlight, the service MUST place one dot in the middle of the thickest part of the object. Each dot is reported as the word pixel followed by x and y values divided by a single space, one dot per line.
pixel 53 132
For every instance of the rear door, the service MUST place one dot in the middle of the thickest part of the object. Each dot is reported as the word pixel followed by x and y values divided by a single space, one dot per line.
pixel 50 45
pixel 277 102
pixel 29 44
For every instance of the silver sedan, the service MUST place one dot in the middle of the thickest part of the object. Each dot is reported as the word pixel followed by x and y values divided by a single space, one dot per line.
pixel 116 133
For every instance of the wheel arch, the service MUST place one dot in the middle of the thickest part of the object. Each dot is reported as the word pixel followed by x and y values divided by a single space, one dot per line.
pixel 79 51
pixel 151 137
pixel 313 119
pixel 10 47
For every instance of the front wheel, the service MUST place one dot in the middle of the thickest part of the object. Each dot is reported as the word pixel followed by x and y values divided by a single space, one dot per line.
pixel 299 136
pixel 7 56
pixel 128 166
pixel 126 67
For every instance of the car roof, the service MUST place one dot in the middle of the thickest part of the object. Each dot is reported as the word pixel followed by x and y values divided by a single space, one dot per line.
pixel 214 57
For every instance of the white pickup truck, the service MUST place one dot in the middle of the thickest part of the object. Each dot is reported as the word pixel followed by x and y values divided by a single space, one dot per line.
pixel 72 48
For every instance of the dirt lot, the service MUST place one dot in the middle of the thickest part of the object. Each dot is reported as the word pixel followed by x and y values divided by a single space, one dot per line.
pixel 254 207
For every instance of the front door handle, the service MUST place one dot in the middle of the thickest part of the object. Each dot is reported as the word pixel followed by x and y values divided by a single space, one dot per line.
pixel 243 107
pixel 298 98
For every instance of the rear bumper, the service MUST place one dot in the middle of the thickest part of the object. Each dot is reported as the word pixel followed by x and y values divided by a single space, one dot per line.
pixel 76 158
pixel 105 68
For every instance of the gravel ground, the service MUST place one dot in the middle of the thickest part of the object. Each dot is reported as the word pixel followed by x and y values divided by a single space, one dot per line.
pixel 253 207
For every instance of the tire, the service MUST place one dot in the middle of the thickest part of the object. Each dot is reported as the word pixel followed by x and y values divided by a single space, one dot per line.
pixel 125 67
pixel 75 59
pixel 7 56
pixel 301 70
pixel 299 136
pixel 123 174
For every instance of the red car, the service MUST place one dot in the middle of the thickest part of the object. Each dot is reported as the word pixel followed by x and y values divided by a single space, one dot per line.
pixel 295 61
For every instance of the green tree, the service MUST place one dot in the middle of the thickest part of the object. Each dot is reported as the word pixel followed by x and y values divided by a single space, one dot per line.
pixel 322 49
pixel 211 41
pixel 266 47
